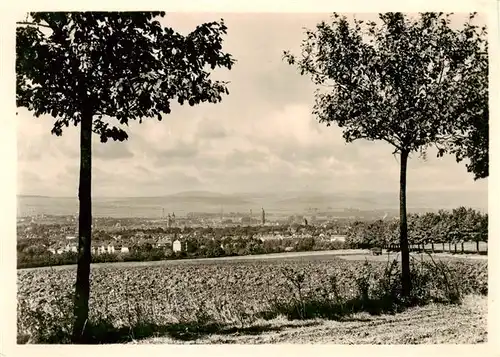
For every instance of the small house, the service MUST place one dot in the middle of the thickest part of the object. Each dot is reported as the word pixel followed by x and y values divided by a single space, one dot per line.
pixel 337 238
pixel 177 246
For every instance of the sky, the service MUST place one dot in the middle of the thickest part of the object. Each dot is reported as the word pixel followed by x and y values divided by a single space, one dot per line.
pixel 261 138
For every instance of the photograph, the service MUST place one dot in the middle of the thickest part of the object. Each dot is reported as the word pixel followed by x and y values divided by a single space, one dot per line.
pixel 251 178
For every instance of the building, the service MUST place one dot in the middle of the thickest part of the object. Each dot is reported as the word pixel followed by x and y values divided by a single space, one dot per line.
pixel 163 242
pixel 101 250
pixel 337 238
pixel 177 246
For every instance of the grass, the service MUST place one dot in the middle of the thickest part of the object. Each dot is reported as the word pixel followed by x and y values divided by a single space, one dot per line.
pixel 430 324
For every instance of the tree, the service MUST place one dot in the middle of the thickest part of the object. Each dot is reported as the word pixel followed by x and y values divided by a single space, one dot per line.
pixel 376 233
pixel 441 229
pixel 483 230
pixel 89 67
pixel 400 81
pixel 471 141
pixel 478 227
pixel 414 234
pixel 427 227
pixel 305 244
pixel 392 233
pixel 356 235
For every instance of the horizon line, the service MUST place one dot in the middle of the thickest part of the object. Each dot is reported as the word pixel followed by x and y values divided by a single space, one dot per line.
pixel 254 192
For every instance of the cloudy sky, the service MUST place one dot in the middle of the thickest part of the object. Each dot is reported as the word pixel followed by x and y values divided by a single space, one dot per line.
pixel 262 137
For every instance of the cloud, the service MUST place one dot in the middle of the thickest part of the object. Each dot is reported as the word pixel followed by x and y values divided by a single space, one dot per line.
pixel 249 159
pixel 178 152
pixel 27 180
pixel 262 137
pixel 111 150
pixel 144 185
pixel 209 129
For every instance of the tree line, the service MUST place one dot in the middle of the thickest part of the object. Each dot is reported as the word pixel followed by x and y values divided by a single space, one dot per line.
pixel 457 226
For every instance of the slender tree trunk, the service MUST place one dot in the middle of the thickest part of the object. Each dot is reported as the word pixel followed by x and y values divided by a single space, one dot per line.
pixel 455 248
pixel 403 226
pixel 449 246
pixel 443 247
pixel 463 251
pixel 432 246
pixel 82 286
pixel 477 246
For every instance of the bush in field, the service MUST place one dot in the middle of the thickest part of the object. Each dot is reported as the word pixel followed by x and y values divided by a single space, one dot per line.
pixel 379 290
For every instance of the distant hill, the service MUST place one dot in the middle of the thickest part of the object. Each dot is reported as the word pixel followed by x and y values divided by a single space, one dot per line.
pixel 279 203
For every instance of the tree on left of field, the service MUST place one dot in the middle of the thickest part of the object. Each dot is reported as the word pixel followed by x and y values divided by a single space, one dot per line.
pixel 101 70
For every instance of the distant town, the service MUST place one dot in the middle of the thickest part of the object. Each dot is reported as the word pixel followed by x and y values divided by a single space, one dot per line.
pixel 202 234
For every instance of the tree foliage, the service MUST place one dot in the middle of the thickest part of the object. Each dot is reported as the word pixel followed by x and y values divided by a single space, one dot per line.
pixel 120 66
pixel 101 70
pixel 408 82
pixel 458 225
pixel 412 83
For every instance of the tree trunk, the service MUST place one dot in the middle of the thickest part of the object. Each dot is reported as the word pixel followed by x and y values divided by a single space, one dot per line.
pixel 477 246
pixel 82 286
pixel 455 248
pixel 403 226
pixel 449 246
pixel 463 248
pixel 443 247
pixel 432 246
